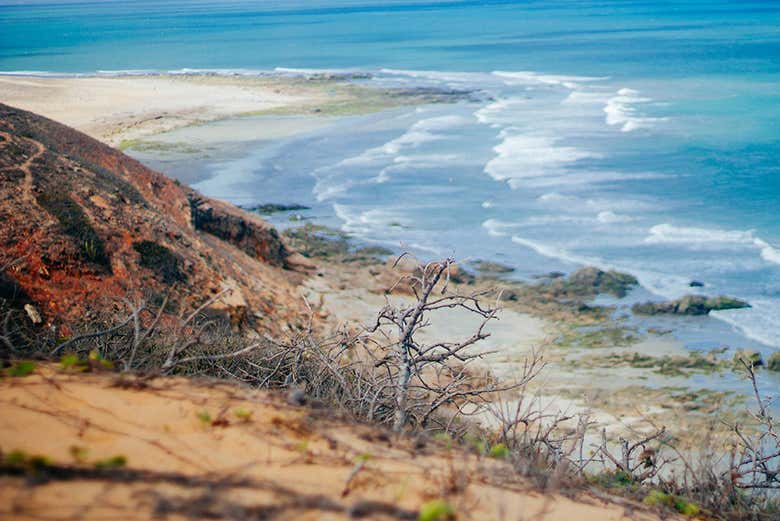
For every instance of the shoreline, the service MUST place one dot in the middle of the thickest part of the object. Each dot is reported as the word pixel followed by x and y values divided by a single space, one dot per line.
pixel 122 109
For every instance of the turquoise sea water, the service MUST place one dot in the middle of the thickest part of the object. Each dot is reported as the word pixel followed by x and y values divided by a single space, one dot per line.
pixel 643 136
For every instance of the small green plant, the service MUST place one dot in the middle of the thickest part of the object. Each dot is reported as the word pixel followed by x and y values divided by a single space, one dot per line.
pixel 613 479
pixel 243 414
pixel 364 456
pixel 114 462
pixel 15 458
pixel 499 451
pixel 19 458
pixel 475 443
pixel 71 362
pixel 436 510
pixel 79 454
pixel 658 498
pixel 204 416
pixel 21 368
pixel 444 438
pixel 96 360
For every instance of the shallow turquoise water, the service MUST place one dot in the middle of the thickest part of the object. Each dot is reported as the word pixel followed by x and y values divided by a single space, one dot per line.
pixel 637 135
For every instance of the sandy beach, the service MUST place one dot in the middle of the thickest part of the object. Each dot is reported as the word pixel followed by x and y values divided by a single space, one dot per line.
pixel 121 110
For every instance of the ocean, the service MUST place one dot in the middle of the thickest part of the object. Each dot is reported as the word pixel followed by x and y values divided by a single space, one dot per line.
pixel 639 136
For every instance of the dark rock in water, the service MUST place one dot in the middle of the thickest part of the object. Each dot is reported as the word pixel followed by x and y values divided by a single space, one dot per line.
pixel 492 267
pixel 591 281
pixel 268 209
pixel 696 284
pixel 551 275
pixel 689 305
pixel 773 364
pixel 373 251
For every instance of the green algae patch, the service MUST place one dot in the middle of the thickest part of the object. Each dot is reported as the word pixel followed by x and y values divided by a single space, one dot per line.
pixel 602 337
pixel 171 147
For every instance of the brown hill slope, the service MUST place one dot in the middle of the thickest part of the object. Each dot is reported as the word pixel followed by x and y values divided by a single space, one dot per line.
pixel 83 226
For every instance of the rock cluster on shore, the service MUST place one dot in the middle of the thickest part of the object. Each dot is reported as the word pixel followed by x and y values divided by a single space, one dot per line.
pixel 689 305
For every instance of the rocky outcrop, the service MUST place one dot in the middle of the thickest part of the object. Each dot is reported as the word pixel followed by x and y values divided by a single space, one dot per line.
pixel 84 227
pixel 689 305
pixel 247 232
pixel 591 281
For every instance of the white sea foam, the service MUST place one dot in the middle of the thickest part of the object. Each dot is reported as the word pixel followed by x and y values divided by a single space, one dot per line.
pixel 555 197
pixel 422 131
pixel 610 217
pixel 498 228
pixel 521 156
pixel 758 322
pixel 43 74
pixel 455 79
pixel 577 178
pixel 710 238
pixel 669 234
pixel 554 252
pixel 369 222
pixel 500 111
pixel 621 111
pixel 530 77
pixel 768 252
pixel 579 97
pixel 415 163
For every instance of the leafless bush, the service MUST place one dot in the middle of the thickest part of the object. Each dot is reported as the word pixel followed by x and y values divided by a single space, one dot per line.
pixel 424 377
pixel 741 481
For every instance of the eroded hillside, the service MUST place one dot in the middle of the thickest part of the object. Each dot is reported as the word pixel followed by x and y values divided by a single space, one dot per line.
pixel 84 226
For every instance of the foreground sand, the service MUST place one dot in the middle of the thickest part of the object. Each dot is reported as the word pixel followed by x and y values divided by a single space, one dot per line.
pixel 282 462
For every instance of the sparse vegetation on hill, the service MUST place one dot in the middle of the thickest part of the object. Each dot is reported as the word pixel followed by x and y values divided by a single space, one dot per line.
pixel 75 224
pixel 160 260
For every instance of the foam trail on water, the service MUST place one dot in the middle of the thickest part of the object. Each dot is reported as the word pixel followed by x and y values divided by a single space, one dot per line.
pixel 523 156
pixel 709 238
pixel 529 77
pixel 758 322
pixel 555 253
pixel 620 111
pixel 497 228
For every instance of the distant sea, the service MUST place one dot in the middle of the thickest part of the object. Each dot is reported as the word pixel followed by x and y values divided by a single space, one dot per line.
pixel 635 135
